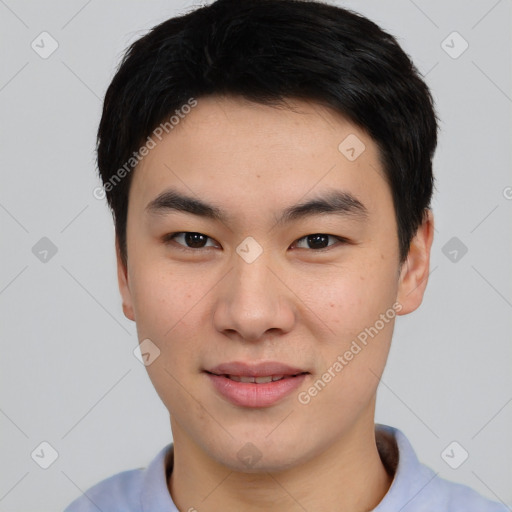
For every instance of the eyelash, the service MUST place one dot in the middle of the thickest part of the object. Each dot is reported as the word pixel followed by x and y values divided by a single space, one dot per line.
pixel 167 239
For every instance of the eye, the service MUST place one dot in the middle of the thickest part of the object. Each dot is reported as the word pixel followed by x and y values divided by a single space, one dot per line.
pixel 319 241
pixel 191 240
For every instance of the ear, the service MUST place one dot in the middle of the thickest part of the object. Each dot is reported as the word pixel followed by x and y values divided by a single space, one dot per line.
pixel 415 270
pixel 124 287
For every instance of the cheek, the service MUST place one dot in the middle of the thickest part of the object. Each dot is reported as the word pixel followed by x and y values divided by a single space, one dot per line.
pixel 160 295
pixel 351 297
pixel 358 307
pixel 166 306
pixel 171 309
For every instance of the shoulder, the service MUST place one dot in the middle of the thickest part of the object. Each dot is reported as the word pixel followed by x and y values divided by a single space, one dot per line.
pixel 118 492
pixel 129 490
pixel 457 497
pixel 416 488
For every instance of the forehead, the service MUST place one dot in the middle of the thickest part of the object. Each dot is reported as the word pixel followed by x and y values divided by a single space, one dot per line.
pixel 239 153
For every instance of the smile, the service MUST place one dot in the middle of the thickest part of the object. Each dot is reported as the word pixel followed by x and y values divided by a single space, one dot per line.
pixel 259 380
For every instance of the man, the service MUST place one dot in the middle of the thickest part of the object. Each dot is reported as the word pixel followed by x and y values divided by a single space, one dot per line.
pixel 269 167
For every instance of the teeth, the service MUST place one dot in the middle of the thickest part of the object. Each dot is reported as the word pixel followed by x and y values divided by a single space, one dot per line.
pixel 256 380
pixel 263 380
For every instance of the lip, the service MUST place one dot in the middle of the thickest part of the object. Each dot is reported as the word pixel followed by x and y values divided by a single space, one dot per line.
pixel 255 369
pixel 253 395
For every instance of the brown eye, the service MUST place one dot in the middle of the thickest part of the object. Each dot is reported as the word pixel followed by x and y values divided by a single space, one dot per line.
pixel 318 241
pixel 189 239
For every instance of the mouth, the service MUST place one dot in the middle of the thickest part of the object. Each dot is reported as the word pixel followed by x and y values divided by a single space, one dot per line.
pixel 256 385
pixel 260 373
pixel 257 380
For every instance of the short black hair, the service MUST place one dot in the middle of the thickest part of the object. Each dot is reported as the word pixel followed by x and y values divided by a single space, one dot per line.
pixel 268 51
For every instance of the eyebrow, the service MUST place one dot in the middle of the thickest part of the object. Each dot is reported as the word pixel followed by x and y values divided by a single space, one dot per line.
pixel 335 202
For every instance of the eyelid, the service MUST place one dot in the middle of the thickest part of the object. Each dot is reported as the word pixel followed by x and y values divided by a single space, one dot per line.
pixel 170 237
pixel 341 241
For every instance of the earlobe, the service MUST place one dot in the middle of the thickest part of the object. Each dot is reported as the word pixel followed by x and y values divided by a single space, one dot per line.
pixel 124 288
pixel 415 270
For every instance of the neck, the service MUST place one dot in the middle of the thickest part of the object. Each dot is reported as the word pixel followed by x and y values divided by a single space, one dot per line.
pixel 347 475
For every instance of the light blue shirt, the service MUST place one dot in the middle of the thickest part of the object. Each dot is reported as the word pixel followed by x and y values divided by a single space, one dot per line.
pixel 415 487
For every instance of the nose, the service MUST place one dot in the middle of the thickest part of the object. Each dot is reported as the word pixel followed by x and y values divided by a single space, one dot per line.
pixel 254 302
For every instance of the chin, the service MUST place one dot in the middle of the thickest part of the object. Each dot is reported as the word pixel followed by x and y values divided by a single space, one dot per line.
pixel 257 454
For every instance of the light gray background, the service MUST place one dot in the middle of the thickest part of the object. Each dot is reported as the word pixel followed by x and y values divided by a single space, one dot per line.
pixel 68 373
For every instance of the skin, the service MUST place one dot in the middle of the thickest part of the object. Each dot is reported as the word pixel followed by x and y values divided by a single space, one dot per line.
pixel 293 304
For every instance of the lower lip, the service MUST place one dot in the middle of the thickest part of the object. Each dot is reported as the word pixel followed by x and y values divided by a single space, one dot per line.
pixel 249 394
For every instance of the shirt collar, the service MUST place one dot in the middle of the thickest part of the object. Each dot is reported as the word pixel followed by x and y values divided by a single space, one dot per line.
pixel 397 455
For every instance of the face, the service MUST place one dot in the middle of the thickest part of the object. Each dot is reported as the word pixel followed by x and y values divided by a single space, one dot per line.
pixel 288 255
